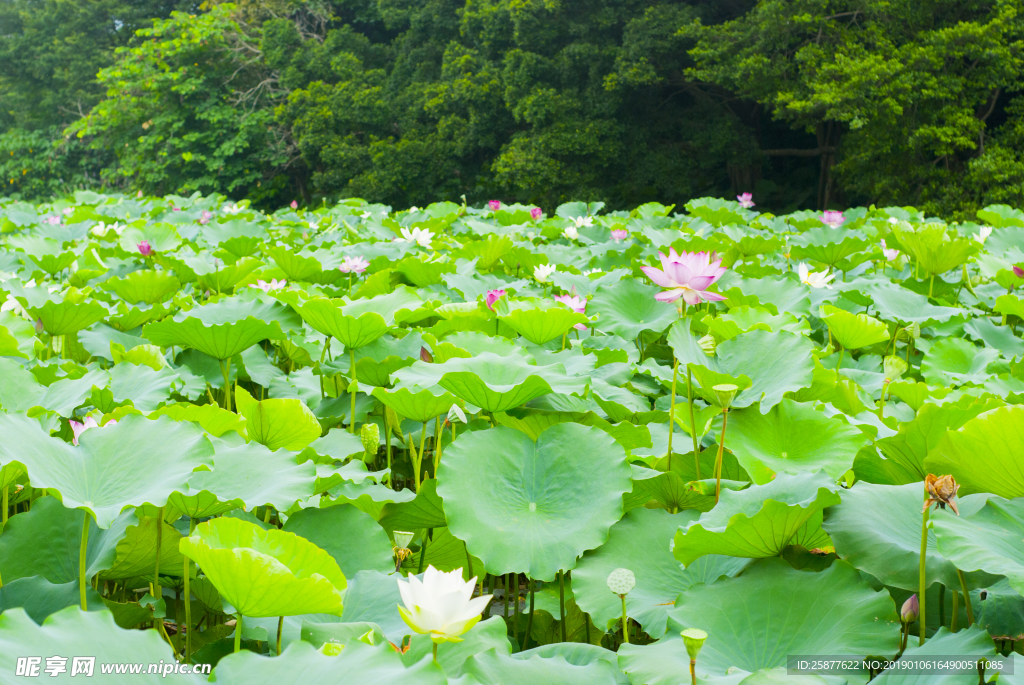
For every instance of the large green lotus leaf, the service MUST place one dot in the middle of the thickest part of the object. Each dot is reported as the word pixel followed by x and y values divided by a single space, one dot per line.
pixel 973 641
pixel 9 344
pixel 393 307
pixel 40 598
pixel 628 307
pixel 495 667
pixel 540 325
pixel 991 539
pixel 215 420
pixel 1001 613
pixel 145 286
pixel 295 266
pixel 415 403
pixel 827 245
pixel 278 423
pixel 136 552
pixel 639 542
pixel 759 521
pixel 984 454
pixel 877 528
pixel 250 475
pixel 853 331
pixel 1001 338
pixel 1010 305
pixel 22 555
pixel 327 317
pixel 373 597
pixel 915 439
pixel 71 633
pixel 223 329
pixel 352 537
pixel 445 553
pixel 905 306
pixel 526 508
pixel 265 572
pixel 125 317
pixel 425 511
pixel 19 389
pixel 161 236
pixel 755 621
pixel 141 386
pixel 357 663
pixel 105 473
pixel 955 361
pixel 63 318
pixel 790 438
pixel 68 393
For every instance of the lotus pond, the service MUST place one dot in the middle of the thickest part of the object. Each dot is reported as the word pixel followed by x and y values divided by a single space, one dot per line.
pixel 497 446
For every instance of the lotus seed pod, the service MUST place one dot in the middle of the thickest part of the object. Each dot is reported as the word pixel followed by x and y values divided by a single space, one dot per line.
pixel 331 648
pixel 724 394
pixel 403 539
pixel 694 639
pixel 894 367
pixel 621 581
pixel 708 344
pixel 369 433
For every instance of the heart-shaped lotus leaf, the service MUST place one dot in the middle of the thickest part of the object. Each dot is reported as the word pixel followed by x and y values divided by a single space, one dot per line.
pixel 146 286
pixel 214 420
pixel 984 454
pixel 265 572
pixel 628 307
pixel 72 633
pixel 525 508
pixel 128 317
pixel 161 237
pixel 744 318
pixel 277 423
pixel 352 537
pixel 827 245
pixel 295 266
pixel 357 663
pixel 21 555
pixel 41 598
pixel 63 318
pixel 905 306
pixel 415 403
pixel 972 642
pixel 790 438
pixel 376 361
pixel 955 361
pixel 639 542
pixel 771 611
pixel 327 317
pixel 853 331
pixel 935 250
pixel 877 528
pixel 250 475
pixel 225 328
pixel 988 539
pixel 539 323
pixel 421 273
pixel 759 521
pixel 136 552
pixel 493 666
pixel 103 474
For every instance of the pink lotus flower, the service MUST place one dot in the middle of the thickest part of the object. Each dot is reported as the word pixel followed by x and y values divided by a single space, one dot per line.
pixel 145 249
pixel 1018 272
pixel 889 253
pixel 687 275
pixel 495 205
pixel 294 204
pixel 576 303
pixel 353 265
pixel 911 610
pixel 52 220
pixel 87 423
pixel 273 285
pixel 68 211
pixel 833 218
pixel 493 296
pixel 536 213
pixel 746 200
pixel 206 216
pixel 619 234
pixel 175 209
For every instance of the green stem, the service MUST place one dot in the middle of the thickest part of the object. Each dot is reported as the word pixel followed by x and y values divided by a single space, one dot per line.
pixel 438 430
pixel 515 597
pixel 238 632
pixel 693 422
pixel 718 460
pixel 672 413
pixel 423 443
pixel 225 367
pixel 956 611
pixel 353 390
pixel 5 505
pixel 387 432
pixel 561 601
pixel 323 353
pixel 931 284
pixel 921 575
pixel 435 652
pixel 625 621
pixel 81 561
pixel 942 605
pixel 508 589
pixel 529 621
pixel 188 598
pixel 423 550
pixel 840 362
pixel 280 629
pixel 967 598
pixel 693 671
pixel 158 594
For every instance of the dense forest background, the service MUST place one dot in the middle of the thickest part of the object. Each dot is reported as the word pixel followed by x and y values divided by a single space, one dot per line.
pixel 805 103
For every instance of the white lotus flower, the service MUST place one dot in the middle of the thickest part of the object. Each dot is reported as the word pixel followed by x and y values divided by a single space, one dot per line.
pixel 420 236
pixel 983 234
pixel 232 209
pixel 543 272
pixel 818 279
pixel 582 221
pixel 441 605
pixel 571 233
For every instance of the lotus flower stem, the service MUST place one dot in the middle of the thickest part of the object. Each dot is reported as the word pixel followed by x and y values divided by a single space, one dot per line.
pixel 922 577
pixel 387 432
pixel 967 598
pixel 4 504
pixel 625 621
pixel 693 423
pixel 515 597
pixel 956 611
pixel 225 367
pixel 352 389
pixel 280 629
pixel 81 561
pixel 188 597
pixel 437 444
pixel 419 462
pixel 423 550
pixel 718 460
pixel 840 362
pixel 508 584
pixel 931 284
pixel 529 621
pixel 323 353
pixel 159 542
pixel 942 605
pixel 561 600
pixel 435 652
pixel 672 412
pixel 238 632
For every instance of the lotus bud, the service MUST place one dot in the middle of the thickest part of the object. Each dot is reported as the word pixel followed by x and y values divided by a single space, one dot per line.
pixel 708 344
pixel 911 610
pixel 369 433
pixel 911 332
pixel 894 367
pixel 145 249
pixel 1018 272
pixel 621 581
pixel 694 639
pixel 394 422
pixel 39 326
pixel 725 394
